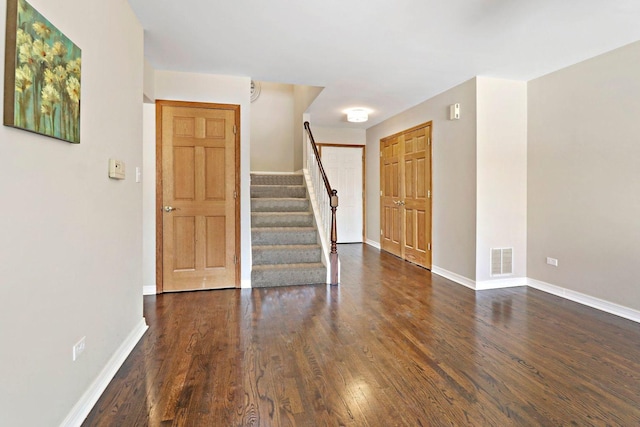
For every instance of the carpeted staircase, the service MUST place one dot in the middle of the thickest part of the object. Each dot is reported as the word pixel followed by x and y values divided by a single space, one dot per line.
pixel 283 233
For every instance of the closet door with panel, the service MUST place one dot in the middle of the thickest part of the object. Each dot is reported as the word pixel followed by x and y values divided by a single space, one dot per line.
pixel 405 196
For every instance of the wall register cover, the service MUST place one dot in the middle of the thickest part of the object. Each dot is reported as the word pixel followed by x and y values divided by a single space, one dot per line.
pixel 501 261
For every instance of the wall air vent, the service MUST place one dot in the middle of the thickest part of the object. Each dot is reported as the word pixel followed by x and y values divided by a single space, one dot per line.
pixel 501 261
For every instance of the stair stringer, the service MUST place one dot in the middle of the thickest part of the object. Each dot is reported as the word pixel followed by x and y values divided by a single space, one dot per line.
pixel 322 233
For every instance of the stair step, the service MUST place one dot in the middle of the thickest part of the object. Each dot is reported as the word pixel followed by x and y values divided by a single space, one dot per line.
pixel 265 204
pixel 284 236
pixel 286 254
pixel 258 179
pixel 282 219
pixel 278 191
pixel 264 276
pixel 284 239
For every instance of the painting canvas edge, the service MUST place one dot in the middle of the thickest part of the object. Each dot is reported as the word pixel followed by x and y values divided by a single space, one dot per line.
pixel 10 63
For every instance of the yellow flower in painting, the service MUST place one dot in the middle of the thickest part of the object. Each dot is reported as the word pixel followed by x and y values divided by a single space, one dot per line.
pixel 49 76
pixel 23 37
pixel 41 29
pixel 50 95
pixel 46 109
pixel 73 67
pixel 24 78
pixel 73 89
pixel 42 52
pixel 59 49
pixel 61 74
pixel 55 76
pixel 26 54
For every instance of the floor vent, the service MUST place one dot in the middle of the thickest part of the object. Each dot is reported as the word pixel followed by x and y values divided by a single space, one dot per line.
pixel 501 261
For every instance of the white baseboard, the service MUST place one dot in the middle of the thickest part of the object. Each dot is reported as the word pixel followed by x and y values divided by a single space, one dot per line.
pixel 480 286
pixel 373 243
pixel 82 408
pixel 464 281
pixel 149 290
pixel 593 302
pixel 511 282
pixel 597 303
pixel 245 284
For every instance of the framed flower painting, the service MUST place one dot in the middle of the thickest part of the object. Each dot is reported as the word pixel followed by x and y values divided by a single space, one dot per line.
pixel 42 75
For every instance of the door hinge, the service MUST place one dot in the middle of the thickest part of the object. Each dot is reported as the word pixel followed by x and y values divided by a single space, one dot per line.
pixel 429 194
pixel 429 246
pixel 235 130
pixel 381 232
pixel 429 141
pixel 381 154
pixel 381 192
pixel 235 259
pixel 235 194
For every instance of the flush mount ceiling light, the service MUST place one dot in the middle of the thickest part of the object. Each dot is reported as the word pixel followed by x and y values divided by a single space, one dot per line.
pixel 357 115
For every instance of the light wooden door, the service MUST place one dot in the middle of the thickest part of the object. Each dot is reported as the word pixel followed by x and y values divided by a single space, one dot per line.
pixel 343 165
pixel 406 194
pixel 390 179
pixel 199 205
pixel 416 202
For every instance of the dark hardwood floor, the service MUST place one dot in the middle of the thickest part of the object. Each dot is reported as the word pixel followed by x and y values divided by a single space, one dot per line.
pixel 393 345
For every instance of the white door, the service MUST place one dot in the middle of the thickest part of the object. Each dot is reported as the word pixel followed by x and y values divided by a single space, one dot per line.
pixel 343 166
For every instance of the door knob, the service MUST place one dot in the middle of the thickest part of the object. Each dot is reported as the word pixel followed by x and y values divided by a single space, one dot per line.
pixel 169 208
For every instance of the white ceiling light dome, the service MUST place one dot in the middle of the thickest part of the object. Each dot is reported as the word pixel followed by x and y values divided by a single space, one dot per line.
pixel 357 115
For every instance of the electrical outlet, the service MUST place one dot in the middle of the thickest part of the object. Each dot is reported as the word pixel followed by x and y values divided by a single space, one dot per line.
pixel 78 348
pixel 552 261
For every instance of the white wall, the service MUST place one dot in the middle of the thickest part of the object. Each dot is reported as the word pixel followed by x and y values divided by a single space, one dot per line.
pixel 584 177
pixel 303 97
pixel 276 126
pixel 71 237
pixel 194 87
pixel 342 136
pixel 149 81
pixel 149 199
pixel 454 176
pixel 502 174
pixel 272 129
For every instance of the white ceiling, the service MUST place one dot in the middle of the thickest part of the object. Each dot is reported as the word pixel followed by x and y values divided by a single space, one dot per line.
pixel 384 55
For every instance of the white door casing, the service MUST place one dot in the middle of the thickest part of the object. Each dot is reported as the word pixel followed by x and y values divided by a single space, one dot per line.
pixel 343 166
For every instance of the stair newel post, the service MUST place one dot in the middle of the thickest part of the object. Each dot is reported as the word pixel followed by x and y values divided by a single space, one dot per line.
pixel 333 256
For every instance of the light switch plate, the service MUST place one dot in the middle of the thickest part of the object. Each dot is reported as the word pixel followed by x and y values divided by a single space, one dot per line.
pixel 454 112
pixel 116 169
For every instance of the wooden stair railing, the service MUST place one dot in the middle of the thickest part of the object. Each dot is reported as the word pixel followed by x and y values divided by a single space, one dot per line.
pixel 333 204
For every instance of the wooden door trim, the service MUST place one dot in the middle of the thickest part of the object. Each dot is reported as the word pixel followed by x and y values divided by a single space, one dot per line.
pixel 430 148
pixel 397 134
pixel 364 180
pixel 169 103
